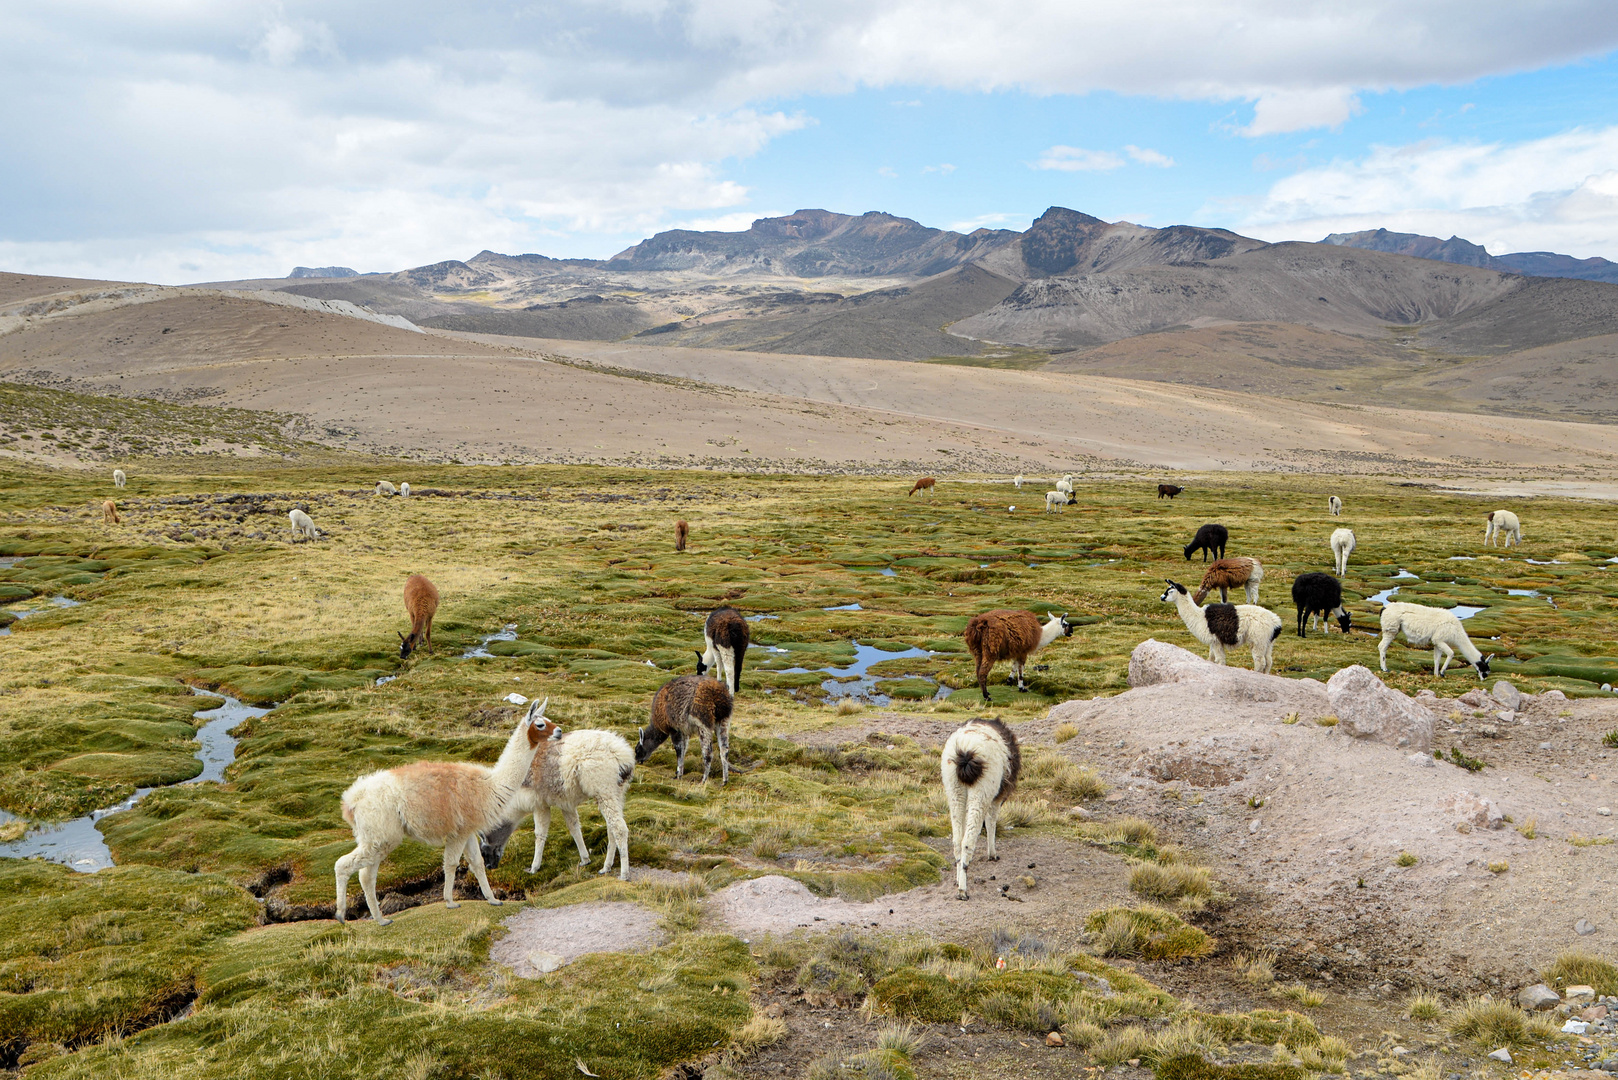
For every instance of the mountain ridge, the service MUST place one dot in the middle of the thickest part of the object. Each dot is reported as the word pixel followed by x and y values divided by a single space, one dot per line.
pixel 1466 253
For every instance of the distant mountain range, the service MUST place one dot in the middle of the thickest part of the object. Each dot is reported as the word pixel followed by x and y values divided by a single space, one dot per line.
pixel 1466 253
pixel 322 272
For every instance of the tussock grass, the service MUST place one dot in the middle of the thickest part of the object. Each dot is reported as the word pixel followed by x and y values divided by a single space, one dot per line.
pixel 1158 882
pixel 1424 1006
pixel 1575 968
pixel 1489 1023
pixel 1147 932
pixel 1255 968
pixel 1302 995
pixel 1065 731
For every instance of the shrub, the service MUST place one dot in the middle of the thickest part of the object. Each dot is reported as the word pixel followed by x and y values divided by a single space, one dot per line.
pixel 1405 859
pixel 1156 882
pixel 1424 1006
pixel 1488 1023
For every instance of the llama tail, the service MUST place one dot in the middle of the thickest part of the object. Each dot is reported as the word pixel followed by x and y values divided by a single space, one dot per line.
pixel 1276 634
pixel 969 767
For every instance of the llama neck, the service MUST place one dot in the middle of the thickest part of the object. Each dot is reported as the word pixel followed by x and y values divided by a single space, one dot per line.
pixel 1190 611
pixel 1468 650
pixel 1050 632
pixel 508 773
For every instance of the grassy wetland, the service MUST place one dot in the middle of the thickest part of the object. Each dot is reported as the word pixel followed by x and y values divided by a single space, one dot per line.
pixel 208 950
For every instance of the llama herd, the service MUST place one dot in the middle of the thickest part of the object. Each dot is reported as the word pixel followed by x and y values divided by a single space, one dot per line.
pixel 471 811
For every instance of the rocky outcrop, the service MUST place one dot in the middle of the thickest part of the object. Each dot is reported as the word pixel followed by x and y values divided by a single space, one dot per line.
pixel 1366 708
pixel 1155 663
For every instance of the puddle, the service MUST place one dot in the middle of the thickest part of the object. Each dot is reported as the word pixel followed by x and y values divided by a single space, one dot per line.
pixel 1464 611
pixel 761 618
pixel 8 561
pixel 79 844
pixel 1522 592
pixel 885 571
pixel 844 607
pixel 1463 558
pixel 1382 597
pixel 1403 573
pixel 861 684
pixel 23 613
pixel 1546 562
pixel 509 633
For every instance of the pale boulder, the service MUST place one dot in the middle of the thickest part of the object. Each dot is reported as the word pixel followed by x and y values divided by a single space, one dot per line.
pixel 1475 811
pixel 1538 998
pixel 1366 708
pixel 1507 695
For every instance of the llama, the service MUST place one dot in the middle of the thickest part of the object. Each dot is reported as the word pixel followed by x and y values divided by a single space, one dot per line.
pixel 1010 634
pixel 1437 627
pixel 685 705
pixel 1065 485
pixel 1168 491
pixel 1227 574
pixel 682 532
pixel 1210 539
pixel 302 525
pixel 1317 593
pixel 924 484
pixel 1055 500
pixel 384 489
pixel 440 803
pixel 1219 626
pixel 421 604
pixel 1016 481
pixel 725 636
pixel 109 513
pixel 1342 546
pixel 1335 505
pixel 580 766
pixel 980 766
pixel 404 490
pixel 1503 529
pixel 118 478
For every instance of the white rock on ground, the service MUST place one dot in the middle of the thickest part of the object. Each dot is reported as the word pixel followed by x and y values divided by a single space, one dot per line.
pixel 1473 810
pixel 1507 695
pixel 1538 998
pixel 1366 708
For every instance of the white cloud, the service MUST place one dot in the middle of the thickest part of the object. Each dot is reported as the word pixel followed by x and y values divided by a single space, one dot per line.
pixel 1077 159
pixel 1144 156
pixel 1558 193
pixel 243 137
pixel 989 221
pixel 946 168
pixel 888 172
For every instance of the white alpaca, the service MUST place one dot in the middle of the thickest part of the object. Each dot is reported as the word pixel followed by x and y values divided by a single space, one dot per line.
pixel 440 803
pixel 1055 500
pixel 384 489
pixel 118 478
pixel 1220 626
pixel 582 765
pixel 1503 529
pixel 404 490
pixel 1017 480
pixel 980 766
pixel 1065 486
pixel 1423 625
pixel 302 525
pixel 1342 546
pixel 1336 505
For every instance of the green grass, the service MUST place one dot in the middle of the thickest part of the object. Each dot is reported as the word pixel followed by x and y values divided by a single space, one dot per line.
pixel 200 586
pixel 1574 968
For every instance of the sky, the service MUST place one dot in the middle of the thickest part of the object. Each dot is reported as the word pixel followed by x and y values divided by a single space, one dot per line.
pixel 181 140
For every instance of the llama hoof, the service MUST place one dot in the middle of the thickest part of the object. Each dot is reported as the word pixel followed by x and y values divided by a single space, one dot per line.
pixel 534 869
pixel 960 894
pixel 384 922
pixel 451 904
pixel 584 862
pixel 496 902
pixel 994 858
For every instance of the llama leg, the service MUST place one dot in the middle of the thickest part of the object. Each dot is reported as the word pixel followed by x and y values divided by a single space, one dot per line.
pixel 1444 651
pixel 1382 649
pixel 680 740
pixel 706 736
pixel 452 863
pixel 1017 665
pixel 957 823
pixel 724 752
pixel 969 843
pixel 617 837
pixel 368 885
pixel 991 818
pixel 345 869
pixel 542 830
pixel 1216 652
pixel 570 815
pixel 474 859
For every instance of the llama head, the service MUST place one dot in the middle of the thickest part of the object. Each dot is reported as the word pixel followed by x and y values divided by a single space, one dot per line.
pixel 1482 667
pixel 1174 587
pixel 406 644
pixel 537 726
pixel 1060 620
pixel 702 664
pixel 1343 619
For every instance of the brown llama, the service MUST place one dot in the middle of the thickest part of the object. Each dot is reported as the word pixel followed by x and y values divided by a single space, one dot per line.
pixel 1168 491
pixel 924 484
pixel 682 532
pixel 1009 634
pixel 421 604
pixel 109 512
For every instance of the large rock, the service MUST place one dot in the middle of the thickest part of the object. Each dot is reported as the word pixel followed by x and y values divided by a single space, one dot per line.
pixel 1155 663
pixel 1508 695
pixel 1366 708
pixel 1538 998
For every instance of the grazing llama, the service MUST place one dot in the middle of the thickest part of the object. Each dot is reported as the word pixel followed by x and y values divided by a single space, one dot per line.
pixel 1220 626
pixel 980 766
pixel 1342 546
pixel 1168 491
pixel 1010 634
pixel 682 533
pixel 118 478
pixel 1335 505
pixel 109 512
pixel 1055 501
pixel 1017 481
pixel 1503 529
pixel 440 803
pixel 685 706
pixel 924 484
pixel 1225 574
pixel 1423 625
pixel 1210 540
pixel 302 525
pixel 404 490
pixel 1320 594
pixel 421 604
pixel 384 489
pixel 580 766
pixel 725 636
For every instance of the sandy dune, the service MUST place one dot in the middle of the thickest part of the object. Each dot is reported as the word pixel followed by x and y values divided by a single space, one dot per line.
pixel 479 398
